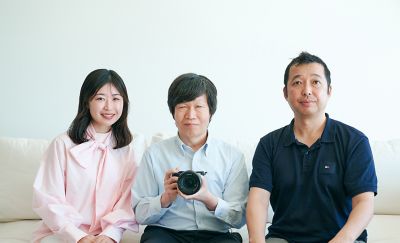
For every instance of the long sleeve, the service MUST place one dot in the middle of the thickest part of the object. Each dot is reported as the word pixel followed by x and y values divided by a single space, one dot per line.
pixel 146 194
pixel 49 200
pixel 231 208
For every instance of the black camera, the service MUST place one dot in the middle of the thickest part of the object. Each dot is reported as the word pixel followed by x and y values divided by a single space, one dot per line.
pixel 189 181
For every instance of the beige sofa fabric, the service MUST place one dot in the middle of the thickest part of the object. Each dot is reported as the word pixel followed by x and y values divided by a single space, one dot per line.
pixel 19 161
pixel 387 165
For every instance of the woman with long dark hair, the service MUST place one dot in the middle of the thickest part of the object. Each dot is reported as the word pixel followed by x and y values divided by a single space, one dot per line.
pixel 82 189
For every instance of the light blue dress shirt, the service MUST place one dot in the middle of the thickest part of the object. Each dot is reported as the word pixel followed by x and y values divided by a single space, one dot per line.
pixel 226 177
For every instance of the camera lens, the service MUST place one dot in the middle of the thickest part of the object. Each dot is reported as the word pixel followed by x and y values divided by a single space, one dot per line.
pixel 189 182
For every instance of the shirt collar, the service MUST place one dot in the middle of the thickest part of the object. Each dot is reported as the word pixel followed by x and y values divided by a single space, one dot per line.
pixel 327 135
pixel 183 147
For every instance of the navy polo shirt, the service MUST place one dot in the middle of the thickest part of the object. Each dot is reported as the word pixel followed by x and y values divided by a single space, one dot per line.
pixel 312 187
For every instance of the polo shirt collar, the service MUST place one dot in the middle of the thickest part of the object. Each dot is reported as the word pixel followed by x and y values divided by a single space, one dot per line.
pixel 288 134
pixel 327 135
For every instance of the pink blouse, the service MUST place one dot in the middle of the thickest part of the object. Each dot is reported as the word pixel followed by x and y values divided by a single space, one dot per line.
pixel 85 189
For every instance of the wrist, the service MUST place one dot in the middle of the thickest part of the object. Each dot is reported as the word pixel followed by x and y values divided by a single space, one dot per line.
pixel 165 202
pixel 257 240
pixel 343 237
pixel 211 202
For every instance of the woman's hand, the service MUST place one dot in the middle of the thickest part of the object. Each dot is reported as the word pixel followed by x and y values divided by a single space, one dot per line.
pixel 87 239
pixel 103 239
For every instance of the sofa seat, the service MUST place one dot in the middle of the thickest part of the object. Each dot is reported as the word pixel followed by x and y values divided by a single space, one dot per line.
pixel 384 229
pixel 21 231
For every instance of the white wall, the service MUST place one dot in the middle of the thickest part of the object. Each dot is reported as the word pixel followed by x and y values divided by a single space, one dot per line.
pixel 47 47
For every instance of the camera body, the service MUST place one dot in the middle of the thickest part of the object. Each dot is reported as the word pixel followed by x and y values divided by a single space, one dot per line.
pixel 189 181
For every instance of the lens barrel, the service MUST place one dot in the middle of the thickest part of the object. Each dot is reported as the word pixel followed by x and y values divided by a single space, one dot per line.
pixel 189 181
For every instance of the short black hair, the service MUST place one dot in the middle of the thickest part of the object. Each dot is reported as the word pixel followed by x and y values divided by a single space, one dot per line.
pixel 188 87
pixel 307 58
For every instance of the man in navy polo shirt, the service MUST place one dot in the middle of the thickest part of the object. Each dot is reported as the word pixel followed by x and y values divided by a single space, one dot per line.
pixel 318 173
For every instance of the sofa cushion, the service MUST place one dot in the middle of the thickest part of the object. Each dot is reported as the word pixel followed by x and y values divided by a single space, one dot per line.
pixel 21 231
pixel 387 163
pixel 18 231
pixel 384 229
pixel 19 159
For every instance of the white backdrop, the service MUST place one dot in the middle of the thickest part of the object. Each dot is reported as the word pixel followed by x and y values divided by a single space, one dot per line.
pixel 47 47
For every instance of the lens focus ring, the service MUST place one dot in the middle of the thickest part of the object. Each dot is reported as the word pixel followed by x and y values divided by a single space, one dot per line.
pixel 189 182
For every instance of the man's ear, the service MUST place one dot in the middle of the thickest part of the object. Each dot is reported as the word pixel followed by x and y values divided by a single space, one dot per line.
pixel 173 114
pixel 285 92
pixel 330 90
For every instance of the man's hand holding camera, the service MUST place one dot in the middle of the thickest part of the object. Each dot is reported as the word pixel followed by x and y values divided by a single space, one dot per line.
pixel 203 195
pixel 190 185
pixel 170 188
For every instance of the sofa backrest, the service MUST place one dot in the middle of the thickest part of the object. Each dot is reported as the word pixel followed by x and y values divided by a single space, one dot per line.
pixel 387 164
pixel 20 159
pixel 19 162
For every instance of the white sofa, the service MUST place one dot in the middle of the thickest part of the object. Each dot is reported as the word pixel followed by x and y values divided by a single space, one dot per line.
pixel 19 161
